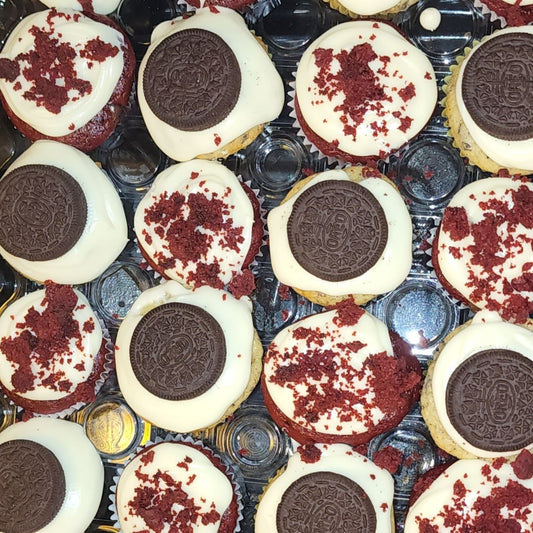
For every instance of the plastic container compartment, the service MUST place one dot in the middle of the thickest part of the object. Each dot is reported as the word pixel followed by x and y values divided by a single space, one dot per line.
pixel 428 172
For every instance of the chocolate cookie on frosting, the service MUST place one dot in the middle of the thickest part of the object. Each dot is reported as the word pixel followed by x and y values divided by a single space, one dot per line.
pixel 477 394
pixel 339 234
pixel 489 111
pixel 474 495
pixel 185 360
pixel 327 488
pixel 339 376
pixel 362 91
pixel 483 250
pixel 56 209
pixel 199 225
pixel 51 477
pixel 207 86
pixel 52 351
pixel 78 99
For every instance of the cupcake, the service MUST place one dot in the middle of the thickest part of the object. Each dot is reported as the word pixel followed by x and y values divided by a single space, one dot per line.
pixel 339 376
pixel 510 12
pixel 57 208
pixel 475 495
pixel 104 7
pixel 52 351
pixel 488 104
pixel 185 360
pixel 207 86
pixel 341 234
pixel 359 8
pixel 51 477
pixel 199 225
pixel 327 488
pixel 176 486
pixel 76 100
pixel 477 394
pixel 483 250
pixel 363 91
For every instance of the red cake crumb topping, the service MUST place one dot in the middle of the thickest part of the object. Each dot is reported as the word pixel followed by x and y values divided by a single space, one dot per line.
pixel 242 284
pixel 190 226
pixel 44 341
pixel 357 81
pixel 323 380
pixel 496 240
pixel 49 66
pixel 348 313
pixel 309 453
pixel 389 458
pixel 523 465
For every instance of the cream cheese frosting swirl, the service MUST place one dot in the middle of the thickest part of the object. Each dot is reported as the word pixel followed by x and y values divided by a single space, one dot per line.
pixel 57 98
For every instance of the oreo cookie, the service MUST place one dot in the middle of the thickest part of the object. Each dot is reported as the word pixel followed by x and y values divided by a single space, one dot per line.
pixel 325 501
pixel 496 86
pixel 488 400
pixel 177 351
pixel 192 80
pixel 43 212
pixel 32 486
pixel 337 230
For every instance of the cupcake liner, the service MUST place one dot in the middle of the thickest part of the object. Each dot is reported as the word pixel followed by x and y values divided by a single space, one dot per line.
pixel 478 4
pixel 237 481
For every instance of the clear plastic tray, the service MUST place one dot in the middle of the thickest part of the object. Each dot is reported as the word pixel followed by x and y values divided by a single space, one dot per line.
pixel 428 171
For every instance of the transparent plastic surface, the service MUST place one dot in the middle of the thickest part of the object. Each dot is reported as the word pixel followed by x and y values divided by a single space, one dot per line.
pixel 427 171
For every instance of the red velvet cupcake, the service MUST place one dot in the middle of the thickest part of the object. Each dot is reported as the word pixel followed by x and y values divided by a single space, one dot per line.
pixel 339 376
pixel 177 486
pixel 52 351
pixel 199 225
pixel 65 75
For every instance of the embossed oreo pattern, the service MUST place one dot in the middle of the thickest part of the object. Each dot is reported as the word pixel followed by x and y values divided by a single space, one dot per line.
pixel 43 212
pixel 325 501
pixel 337 230
pixel 496 86
pixel 192 80
pixel 32 486
pixel 177 351
pixel 489 398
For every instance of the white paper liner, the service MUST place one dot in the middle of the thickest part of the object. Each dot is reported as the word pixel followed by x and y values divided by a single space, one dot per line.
pixel 109 365
pixel 145 265
pixel 486 11
pixel 230 473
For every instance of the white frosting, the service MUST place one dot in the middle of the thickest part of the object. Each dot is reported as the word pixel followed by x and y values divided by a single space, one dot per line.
pixel 389 271
pixel 260 100
pixel 99 6
pixel 518 250
pixel 82 466
pixel 81 350
pixel 486 331
pixel 430 18
pixel 407 65
pixel 519 3
pixel 214 181
pixel 234 317
pixel 441 498
pixel 340 459
pixel 511 154
pixel 364 7
pixel 206 485
pixel 76 30
pixel 351 374
pixel 106 221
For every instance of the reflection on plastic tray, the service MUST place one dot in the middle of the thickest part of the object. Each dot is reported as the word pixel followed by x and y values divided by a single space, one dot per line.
pixel 428 172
